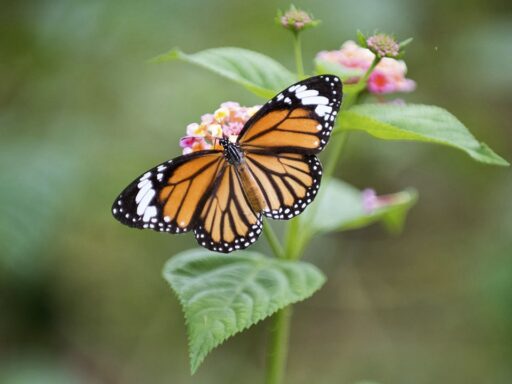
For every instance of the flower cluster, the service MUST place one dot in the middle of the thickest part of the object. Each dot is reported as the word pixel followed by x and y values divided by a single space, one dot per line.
pixel 225 122
pixel 387 77
pixel 383 45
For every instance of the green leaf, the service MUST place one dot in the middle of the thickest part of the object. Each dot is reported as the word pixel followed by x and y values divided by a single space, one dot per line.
pixel 406 42
pixel 222 295
pixel 258 73
pixel 361 39
pixel 419 123
pixel 340 207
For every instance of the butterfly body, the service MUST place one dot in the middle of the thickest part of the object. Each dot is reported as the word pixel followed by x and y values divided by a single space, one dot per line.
pixel 222 194
pixel 232 152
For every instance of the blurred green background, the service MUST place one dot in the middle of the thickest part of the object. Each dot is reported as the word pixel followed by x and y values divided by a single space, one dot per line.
pixel 82 113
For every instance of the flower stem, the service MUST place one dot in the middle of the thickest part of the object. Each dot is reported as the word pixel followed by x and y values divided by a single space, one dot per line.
pixel 292 238
pixel 273 242
pixel 278 346
pixel 297 48
pixel 351 98
pixel 337 148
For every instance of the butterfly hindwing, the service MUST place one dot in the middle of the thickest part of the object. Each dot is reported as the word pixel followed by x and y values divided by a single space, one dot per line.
pixel 288 182
pixel 227 222
pixel 299 119
pixel 166 197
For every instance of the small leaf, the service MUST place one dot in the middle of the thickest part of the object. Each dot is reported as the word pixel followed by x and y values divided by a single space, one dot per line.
pixel 406 42
pixel 361 39
pixel 258 73
pixel 340 207
pixel 223 294
pixel 419 123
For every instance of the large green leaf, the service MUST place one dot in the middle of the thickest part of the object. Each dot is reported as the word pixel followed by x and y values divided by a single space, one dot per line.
pixel 341 207
pixel 223 294
pixel 260 74
pixel 419 123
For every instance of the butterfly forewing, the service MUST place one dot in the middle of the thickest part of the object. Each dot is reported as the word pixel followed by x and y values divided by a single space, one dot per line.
pixel 166 198
pixel 299 119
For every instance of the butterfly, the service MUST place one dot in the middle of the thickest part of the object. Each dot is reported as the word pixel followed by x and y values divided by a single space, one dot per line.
pixel 221 194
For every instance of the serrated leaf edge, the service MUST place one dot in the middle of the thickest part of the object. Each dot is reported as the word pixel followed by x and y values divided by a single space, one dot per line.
pixel 194 367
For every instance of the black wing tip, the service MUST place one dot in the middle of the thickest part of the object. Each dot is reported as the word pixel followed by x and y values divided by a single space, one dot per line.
pixel 120 213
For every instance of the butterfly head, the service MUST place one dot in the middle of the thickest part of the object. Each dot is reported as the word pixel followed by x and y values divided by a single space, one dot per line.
pixel 224 141
pixel 232 151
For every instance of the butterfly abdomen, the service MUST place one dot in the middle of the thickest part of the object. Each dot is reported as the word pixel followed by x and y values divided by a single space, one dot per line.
pixel 251 188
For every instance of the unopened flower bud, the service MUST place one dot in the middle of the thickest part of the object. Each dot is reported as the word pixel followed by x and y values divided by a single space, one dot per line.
pixel 296 19
pixel 383 45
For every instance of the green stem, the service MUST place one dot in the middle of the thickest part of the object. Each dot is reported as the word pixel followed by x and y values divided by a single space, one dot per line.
pixel 297 48
pixel 278 346
pixel 351 98
pixel 273 242
pixel 334 155
pixel 292 237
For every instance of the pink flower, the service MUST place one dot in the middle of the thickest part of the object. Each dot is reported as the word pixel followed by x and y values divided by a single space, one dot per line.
pixel 196 130
pixel 380 82
pixel 227 121
pixel 232 128
pixel 371 202
pixel 207 118
pixel 193 144
pixel 230 105
pixel 387 77
pixel 352 55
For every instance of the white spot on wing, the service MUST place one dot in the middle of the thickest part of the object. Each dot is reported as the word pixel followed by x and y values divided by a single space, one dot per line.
pixel 144 190
pixel 318 100
pixel 321 110
pixel 145 202
pixel 308 93
pixel 301 88
pixel 149 212
pixel 145 176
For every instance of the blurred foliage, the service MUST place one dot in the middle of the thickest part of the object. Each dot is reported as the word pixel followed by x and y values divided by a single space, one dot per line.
pixel 349 211
pixel 81 113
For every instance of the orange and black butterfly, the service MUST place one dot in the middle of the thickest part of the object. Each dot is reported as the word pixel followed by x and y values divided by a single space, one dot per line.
pixel 221 194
